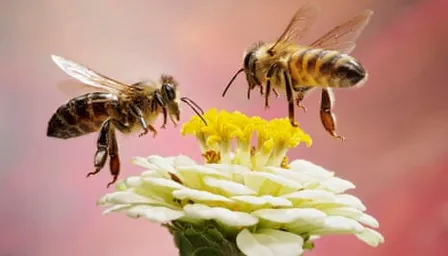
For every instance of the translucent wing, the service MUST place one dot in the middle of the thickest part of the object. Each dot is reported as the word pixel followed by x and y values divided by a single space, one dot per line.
pixel 92 78
pixel 73 88
pixel 343 37
pixel 300 23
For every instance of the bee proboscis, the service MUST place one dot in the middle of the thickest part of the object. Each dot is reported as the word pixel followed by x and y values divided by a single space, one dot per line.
pixel 286 67
pixel 127 108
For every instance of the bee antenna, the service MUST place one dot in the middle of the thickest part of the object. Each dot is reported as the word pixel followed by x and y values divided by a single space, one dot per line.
pixel 231 81
pixel 195 107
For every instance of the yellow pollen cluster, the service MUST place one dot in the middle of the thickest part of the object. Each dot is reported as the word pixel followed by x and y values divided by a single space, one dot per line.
pixel 272 138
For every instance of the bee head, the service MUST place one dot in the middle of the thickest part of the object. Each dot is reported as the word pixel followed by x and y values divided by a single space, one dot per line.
pixel 249 63
pixel 170 96
pixel 249 68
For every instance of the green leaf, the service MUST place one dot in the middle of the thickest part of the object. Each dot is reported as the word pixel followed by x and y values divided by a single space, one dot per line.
pixel 182 243
pixel 214 234
pixel 199 238
pixel 204 251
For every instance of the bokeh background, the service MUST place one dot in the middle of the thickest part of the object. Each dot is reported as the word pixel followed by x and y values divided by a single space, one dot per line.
pixel 396 126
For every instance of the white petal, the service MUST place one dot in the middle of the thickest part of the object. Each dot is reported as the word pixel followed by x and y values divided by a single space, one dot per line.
pixel 371 237
pixel 339 225
pixel 350 200
pixel 270 184
pixel 337 185
pixel 156 166
pixel 288 174
pixel 201 196
pixel 308 215
pixel 227 188
pixel 306 179
pixel 193 175
pixel 234 172
pixel 353 214
pixel 162 184
pixel 310 168
pixel 133 181
pixel 155 213
pixel 277 201
pixel 323 199
pixel 128 183
pixel 310 196
pixel 159 188
pixel 182 160
pixel 117 208
pixel 269 242
pixel 121 186
pixel 263 201
pixel 222 215
pixel 163 164
pixel 153 173
pixel 125 197
pixel 368 220
pixel 141 161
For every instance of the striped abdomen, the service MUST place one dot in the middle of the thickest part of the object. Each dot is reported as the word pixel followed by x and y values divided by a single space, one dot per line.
pixel 325 68
pixel 82 115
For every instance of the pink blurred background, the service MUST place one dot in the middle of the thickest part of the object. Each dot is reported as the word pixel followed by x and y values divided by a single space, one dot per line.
pixel 395 126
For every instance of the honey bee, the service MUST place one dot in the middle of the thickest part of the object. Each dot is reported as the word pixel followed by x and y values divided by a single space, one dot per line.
pixel 286 67
pixel 127 108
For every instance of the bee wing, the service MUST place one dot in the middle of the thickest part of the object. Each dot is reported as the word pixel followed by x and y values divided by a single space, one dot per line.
pixel 300 23
pixel 343 37
pixel 70 87
pixel 92 78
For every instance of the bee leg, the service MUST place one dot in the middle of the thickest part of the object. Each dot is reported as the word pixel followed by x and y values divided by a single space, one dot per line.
pixel 137 112
pixel 159 102
pixel 174 121
pixel 165 117
pixel 299 104
pixel 114 159
pixel 261 90
pixel 276 92
pixel 252 87
pixel 121 126
pixel 268 92
pixel 327 117
pixel 268 85
pixel 150 128
pixel 289 96
pixel 101 152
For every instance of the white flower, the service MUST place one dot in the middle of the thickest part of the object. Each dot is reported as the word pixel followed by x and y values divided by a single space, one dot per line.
pixel 267 205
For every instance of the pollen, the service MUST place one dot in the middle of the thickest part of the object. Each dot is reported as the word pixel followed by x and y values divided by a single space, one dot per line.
pixel 273 138
pixel 285 163
pixel 212 157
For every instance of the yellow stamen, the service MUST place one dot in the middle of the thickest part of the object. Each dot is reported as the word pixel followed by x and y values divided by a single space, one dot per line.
pixel 273 137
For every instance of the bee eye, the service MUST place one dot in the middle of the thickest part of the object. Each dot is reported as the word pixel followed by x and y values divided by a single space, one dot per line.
pixel 169 91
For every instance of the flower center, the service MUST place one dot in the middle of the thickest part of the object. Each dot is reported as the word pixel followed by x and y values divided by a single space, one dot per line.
pixel 224 129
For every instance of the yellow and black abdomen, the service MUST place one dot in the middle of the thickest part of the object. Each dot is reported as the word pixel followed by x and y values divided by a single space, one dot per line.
pixel 82 115
pixel 325 68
